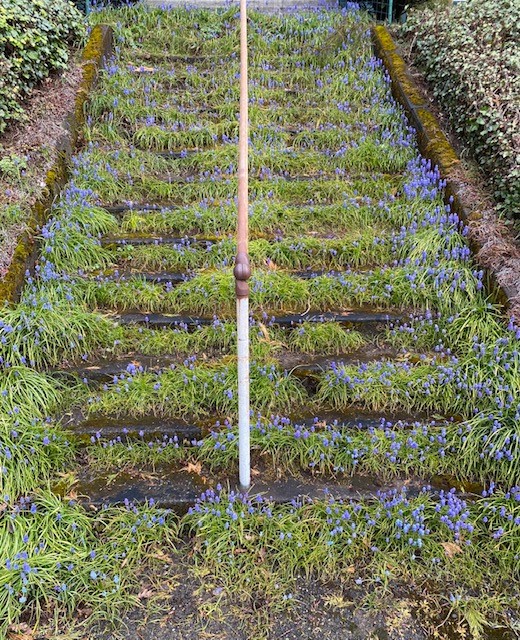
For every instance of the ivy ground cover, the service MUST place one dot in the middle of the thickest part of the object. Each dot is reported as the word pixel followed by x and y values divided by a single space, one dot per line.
pixel 468 55
pixel 377 351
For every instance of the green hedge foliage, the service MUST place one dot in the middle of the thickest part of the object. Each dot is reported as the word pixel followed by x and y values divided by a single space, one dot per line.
pixel 470 55
pixel 35 37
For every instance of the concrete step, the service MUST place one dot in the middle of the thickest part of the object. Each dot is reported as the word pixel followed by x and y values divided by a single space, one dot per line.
pixel 125 207
pixel 146 240
pixel 156 277
pixel 178 489
pixel 151 428
pixel 299 364
pixel 128 428
pixel 177 277
pixel 363 317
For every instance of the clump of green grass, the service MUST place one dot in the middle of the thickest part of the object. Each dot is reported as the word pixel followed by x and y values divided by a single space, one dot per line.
pixel 391 539
pixel 40 332
pixel 489 445
pixel 219 338
pixel 197 391
pixel 90 217
pixel 103 456
pixel 56 557
pixel 328 338
pixel 478 323
pixel 450 385
pixel 331 449
pixel 463 452
pixel 214 220
pixel 26 394
pixel 71 238
pixel 445 287
pixel 30 453
pixel 134 293
pixel 71 251
pixel 363 250
pixel 131 179
pixel 156 138
pixel 216 339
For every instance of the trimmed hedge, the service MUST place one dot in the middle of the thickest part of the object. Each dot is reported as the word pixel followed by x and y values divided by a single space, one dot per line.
pixel 35 36
pixel 469 54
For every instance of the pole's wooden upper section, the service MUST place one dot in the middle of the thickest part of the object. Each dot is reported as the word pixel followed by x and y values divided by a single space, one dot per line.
pixel 242 270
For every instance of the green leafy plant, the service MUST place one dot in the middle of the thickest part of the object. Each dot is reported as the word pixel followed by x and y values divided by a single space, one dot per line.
pixel 469 55
pixel 12 167
pixel 34 41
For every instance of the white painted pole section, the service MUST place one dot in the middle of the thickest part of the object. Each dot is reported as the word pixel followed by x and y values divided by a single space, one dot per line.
pixel 244 453
pixel 242 268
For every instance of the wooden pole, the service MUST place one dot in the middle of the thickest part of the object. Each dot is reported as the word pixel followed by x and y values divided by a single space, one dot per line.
pixel 242 270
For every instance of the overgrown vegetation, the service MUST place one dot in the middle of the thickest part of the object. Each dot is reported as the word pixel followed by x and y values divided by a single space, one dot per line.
pixel 57 557
pixel 344 214
pixel 35 38
pixel 395 537
pixel 468 54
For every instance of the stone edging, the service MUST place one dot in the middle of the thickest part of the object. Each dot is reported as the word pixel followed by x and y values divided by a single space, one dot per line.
pixel 97 48
pixel 434 145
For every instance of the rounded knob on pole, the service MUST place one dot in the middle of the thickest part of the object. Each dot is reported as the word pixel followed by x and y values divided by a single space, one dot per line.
pixel 242 270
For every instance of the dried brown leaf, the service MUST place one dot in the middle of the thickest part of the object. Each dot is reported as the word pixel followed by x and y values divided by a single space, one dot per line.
pixel 451 549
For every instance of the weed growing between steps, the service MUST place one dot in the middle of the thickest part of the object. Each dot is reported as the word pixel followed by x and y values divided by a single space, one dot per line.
pixel 437 385
pixel 308 253
pixel 258 550
pixel 26 394
pixel 210 292
pixel 196 390
pixel 57 558
pixel 452 387
pixel 393 448
pixel 390 449
pixel 328 338
pixel 264 162
pixel 362 249
pixel 31 453
pixel 113 187
pixel 41 332
pixel 270 217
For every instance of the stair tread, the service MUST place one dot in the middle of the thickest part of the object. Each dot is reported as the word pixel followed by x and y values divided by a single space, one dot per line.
pixel 178 490
pixel 348 317
pixel 149 427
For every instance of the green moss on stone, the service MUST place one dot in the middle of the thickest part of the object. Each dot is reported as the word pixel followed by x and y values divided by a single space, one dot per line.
pixel 400 73
pixel 11 285
pixel 97 46
pixel 383 38
pixel 437 145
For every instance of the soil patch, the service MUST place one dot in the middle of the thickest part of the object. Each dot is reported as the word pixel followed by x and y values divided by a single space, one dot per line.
pixel 320 612
pixel 29 149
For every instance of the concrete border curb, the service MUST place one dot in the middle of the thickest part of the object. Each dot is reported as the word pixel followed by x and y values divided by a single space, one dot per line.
pixel 97 48
pixel 433 144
